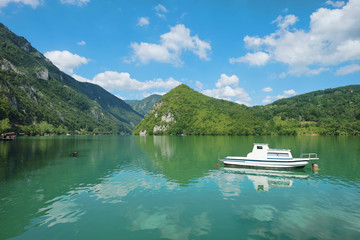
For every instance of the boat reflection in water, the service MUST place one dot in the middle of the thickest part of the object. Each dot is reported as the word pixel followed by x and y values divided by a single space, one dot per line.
pixel 264 179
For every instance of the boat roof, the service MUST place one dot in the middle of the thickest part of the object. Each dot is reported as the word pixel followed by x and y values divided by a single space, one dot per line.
pixel 271 149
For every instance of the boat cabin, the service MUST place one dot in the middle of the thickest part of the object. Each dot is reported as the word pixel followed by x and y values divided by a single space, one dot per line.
pixel 262 151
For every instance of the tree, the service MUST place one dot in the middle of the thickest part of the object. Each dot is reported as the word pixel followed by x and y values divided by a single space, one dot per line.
pixel 5 125
pixel 44 127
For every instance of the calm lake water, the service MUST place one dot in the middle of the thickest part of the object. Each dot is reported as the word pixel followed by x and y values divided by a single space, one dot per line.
pixel 171 187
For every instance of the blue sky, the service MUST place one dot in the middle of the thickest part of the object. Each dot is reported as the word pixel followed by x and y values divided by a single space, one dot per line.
pixel 252 51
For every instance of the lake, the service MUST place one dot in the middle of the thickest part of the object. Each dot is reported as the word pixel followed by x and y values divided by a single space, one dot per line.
pixel 173 187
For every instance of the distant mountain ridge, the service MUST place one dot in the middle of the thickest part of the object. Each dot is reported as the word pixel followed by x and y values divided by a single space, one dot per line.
pixel 185 111
pixel 145 105
pixel 34 91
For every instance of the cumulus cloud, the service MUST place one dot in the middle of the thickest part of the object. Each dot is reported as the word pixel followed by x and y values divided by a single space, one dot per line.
pixel 145 52
pixel 122 81
pixel 226 80
pixel 65 60
pixel 32 3
pixel 75 2
pixel 227 89
pixel 254 59
pixel 171 46
pixel 348 69
pixel 333 38
pixel 143 21
pixel 267 89
pixel 286 94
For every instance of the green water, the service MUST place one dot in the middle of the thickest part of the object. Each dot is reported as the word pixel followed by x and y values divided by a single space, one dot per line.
pixel 126 187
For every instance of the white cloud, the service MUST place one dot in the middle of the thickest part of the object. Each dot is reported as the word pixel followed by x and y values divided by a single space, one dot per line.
pixel 231 94
pixel 267 100
pixel 143 21
pixel 267 89
pixel 333 38
pixel 32 3
pixel 122 81
pixel 161 8
pixel 171 46
pixel 254 59
pixel 299 71
pixel 81 43
pixel 160 11
pixel 146 94
pixel 227 89
pixel 145 52
pixel 226 80
pixel 290 92
pixel 111 80
pixel 285 22
pixel 199 85
pixel 336 4
pixel 75 2
pixel 348 69
pixel 65 60
pixel 80 78
pixel 120 97
pixel 286 94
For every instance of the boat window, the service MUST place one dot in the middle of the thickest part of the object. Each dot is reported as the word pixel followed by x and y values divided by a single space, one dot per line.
pixel 272 154
pixel 259 147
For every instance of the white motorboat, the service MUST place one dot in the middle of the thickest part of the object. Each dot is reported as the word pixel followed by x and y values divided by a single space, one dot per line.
pixel 264 157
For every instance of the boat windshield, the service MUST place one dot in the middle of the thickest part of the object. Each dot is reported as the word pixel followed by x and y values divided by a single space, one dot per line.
pixel 273 154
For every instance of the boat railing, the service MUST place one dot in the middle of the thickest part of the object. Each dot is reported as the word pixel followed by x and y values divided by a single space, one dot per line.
pixel 310 156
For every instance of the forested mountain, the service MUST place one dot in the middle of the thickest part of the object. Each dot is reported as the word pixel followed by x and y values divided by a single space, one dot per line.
pixel 36 97
pixel 328 112
pixel 185 111
pixel 145 105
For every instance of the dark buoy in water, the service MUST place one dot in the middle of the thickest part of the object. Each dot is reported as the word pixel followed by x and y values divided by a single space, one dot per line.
pixel 74 154
pixel 315 167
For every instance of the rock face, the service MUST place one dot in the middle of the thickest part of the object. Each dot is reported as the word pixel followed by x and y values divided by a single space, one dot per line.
pixel 43 74
pixel 168 118
pixel 160 128
pixel 8 66
pixel 26 47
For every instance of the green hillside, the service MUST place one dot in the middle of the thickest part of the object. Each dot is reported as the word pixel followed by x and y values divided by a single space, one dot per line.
pixel 327 112
pixel 36 97
pixel 185 111
pixel 144 106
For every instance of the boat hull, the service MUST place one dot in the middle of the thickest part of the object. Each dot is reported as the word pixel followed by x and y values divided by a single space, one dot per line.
pixel 268 163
